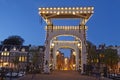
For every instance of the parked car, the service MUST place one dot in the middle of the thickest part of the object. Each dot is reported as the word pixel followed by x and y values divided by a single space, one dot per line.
pixel 11 74
pixel 21 73
pixel 114 76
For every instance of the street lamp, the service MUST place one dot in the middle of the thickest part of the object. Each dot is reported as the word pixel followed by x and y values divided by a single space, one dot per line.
pixel 57 52
pixel 100 63
pixel 53 44
pixel 74 53
pixel 78 44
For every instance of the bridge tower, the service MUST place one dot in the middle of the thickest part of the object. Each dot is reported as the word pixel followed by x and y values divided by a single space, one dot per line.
pixel 79 32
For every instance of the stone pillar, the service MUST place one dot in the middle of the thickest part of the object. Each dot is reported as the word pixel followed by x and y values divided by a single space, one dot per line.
pixel 54 57
pixel 47 57
pixel 83 50
pixel 47 47
pixel 77 59
pixel 83 58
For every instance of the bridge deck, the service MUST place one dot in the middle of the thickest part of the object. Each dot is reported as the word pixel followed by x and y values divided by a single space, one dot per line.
pixel 59 75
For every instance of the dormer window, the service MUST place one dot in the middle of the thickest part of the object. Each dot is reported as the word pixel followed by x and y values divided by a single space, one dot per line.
pixel 5 49
pixel 14 48
pixel 41 49
pixel 23 49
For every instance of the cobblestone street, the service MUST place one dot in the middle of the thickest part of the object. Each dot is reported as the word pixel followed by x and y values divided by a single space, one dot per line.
pixel 60 75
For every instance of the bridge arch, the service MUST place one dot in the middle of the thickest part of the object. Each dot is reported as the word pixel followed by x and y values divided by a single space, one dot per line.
pixel 67 44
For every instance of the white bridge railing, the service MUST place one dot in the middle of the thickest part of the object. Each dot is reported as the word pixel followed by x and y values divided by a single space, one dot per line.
pixel 66 42
pixel 66 28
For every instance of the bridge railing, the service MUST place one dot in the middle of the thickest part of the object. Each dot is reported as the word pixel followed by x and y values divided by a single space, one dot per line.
pixel 66 28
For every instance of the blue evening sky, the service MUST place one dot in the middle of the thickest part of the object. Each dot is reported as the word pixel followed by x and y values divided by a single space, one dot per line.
pixel 20 17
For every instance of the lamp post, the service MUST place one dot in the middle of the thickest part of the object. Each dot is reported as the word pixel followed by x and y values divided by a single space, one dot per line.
pixel 102 70
pixel 98 68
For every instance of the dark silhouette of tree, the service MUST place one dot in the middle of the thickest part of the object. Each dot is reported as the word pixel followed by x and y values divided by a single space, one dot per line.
pixel 13 40
pixel 35 56
pixel 92 55
pixel 16 61
pixel 111 58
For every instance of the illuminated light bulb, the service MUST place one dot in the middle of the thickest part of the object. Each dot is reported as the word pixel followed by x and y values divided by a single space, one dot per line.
pixel 81 8
pixel 73 8
pixel 57 52
pixel 77 11
pixel 88 11
pixel 39 8
pixel 58 8
pixel 65 8
pixel 47 8
pixel 85 11
pixel 86 27
pixel 50 11
pixel 68 28
pixel 45 27
pixel 40 12
pixel 62 8
pixel 92 8
pixel 54 11
pixel 65 11
pixel 43 12
pixel 62 12
pixel 78 44
pixel 88 8
pixel 85 8
pixel 81 11
pixel 75 28
pixel 77 8
pixel 69 7
pixel 58 13
pixel 54 8
pixel 50 8
pixel 73 13
pixel 74 53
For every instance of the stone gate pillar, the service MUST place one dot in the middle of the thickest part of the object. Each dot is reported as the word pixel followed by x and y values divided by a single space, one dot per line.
pixel 47 58
pixel 83 58
pixel 83 49
pixel 77 58
pixel 54 57
pixel 47 47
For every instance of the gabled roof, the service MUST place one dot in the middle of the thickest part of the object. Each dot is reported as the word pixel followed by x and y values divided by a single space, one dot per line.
pixel 10 47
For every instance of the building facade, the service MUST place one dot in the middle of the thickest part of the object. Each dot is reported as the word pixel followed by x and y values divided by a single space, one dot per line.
pixel 36 57
pixel 118 52
pixel 14 56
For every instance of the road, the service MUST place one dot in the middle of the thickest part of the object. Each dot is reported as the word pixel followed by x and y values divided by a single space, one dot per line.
pixel 60 75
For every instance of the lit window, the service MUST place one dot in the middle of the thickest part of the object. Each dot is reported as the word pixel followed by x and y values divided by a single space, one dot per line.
pixel 5 49
pixel 14 48
pixel 22 59
pixel 5 54
pixel 23 50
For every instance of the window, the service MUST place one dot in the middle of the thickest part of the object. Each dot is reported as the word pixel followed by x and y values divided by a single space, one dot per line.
pixel 5 54
pixel 23 49
pixel 22 59
pixel 14 48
